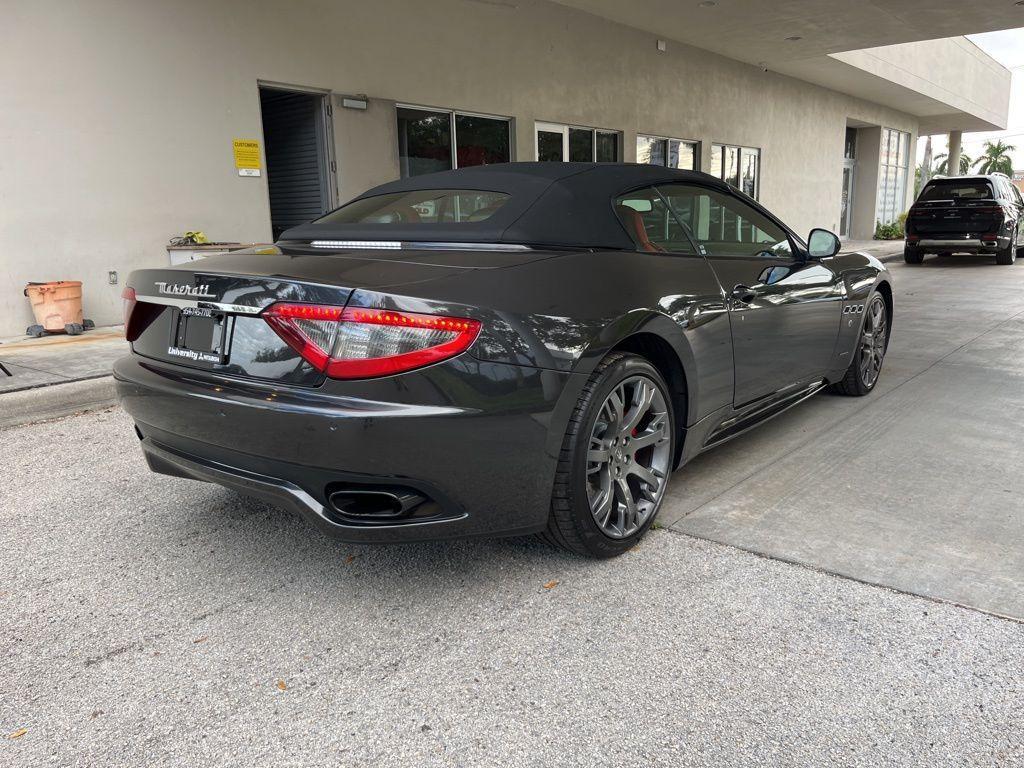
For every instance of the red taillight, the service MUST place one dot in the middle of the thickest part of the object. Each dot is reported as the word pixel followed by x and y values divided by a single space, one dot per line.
pixel 309 329
pixel 359 343
pixel 128 294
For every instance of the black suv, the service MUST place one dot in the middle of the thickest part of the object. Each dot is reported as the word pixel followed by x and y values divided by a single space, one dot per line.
pixel 966 214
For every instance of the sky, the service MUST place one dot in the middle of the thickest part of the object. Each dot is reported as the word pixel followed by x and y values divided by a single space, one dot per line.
pixel 1006 47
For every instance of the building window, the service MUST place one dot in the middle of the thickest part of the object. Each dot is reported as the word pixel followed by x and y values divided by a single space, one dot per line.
pixel 432 140
pixel 738 166
pixel 673 153
pixel 556 142
pixel 892 174
pixel 606 147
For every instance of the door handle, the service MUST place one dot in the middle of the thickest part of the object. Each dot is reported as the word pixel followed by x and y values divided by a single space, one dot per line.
pixel 743 293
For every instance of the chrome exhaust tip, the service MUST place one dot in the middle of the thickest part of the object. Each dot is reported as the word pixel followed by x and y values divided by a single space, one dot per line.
pixel 375 504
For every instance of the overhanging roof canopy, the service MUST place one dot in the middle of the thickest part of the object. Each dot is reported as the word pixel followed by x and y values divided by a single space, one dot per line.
pixel 950 84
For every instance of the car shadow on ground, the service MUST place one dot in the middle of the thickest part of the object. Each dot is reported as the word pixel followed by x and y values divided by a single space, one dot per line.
pixel 269 541
pixel 961 260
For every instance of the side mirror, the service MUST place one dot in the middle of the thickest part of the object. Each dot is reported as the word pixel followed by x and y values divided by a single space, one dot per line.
pixel 821 244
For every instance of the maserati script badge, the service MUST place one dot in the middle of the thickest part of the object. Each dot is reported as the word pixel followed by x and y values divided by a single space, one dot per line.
pixel 195 291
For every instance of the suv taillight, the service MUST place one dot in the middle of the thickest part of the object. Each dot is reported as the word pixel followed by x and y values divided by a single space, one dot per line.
pixel 357 343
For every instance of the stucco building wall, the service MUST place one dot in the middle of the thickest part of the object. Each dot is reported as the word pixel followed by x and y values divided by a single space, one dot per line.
pixel 118 123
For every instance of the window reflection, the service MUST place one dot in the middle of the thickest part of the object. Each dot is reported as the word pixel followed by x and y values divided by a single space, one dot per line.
pixel 481 140
pixel 892 176
pixel 738 166
pixel 672 153
pixel 581 145
pixel 607 150
pixel 557 142
pixel 426 139
pixel 549 147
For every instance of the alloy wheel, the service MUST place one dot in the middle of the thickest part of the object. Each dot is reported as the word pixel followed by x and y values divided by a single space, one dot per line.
pixel 629 457
pixel 874 337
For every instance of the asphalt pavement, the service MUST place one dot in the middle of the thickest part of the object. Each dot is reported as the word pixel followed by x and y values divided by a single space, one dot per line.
pixel 155 621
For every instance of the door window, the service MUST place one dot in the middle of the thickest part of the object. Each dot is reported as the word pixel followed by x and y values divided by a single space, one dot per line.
pixel 844 202
pixel 850 146
pixel 725 225
pixel 651 224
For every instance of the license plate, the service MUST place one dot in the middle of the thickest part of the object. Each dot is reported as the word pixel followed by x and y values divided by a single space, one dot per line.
pixel 200 335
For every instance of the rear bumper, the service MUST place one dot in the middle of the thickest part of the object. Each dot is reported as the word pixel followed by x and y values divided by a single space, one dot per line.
pixel 486 469
pixel 961 244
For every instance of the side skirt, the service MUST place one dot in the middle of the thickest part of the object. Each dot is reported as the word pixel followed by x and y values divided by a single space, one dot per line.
pixel 735 427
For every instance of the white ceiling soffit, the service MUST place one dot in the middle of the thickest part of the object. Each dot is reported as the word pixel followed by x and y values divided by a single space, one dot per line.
pixel 968 91
pixel 757 30
pixel 950 84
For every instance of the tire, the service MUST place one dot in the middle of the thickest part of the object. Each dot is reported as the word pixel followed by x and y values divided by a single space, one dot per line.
pixel 73 329
pixel 88 324
pixel 1007 255
pixel 855 383
pixel 588 480
pixel 912 255
pixel 35 331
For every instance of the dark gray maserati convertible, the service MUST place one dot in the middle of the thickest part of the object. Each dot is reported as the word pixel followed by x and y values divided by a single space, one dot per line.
pixel 509 349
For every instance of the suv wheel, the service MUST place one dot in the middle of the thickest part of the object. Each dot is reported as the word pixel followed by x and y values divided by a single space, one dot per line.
pixel 912 255
pixel 1006 255
pixel 615 460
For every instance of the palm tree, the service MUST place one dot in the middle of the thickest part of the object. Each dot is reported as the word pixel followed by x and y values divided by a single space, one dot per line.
pixel 942 168
pixel 996 158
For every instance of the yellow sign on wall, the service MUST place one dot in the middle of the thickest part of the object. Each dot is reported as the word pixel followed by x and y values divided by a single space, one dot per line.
pixel 247 157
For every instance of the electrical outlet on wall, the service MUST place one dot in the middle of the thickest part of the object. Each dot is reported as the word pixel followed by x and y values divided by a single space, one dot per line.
pixel 112 277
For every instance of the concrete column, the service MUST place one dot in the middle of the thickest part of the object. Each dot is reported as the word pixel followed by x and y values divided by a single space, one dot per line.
pixel 953 166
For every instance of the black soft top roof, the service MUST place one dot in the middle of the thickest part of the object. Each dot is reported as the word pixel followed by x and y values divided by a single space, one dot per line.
pixel 550 204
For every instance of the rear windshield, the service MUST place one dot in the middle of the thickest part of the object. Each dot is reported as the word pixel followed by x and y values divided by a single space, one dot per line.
pixel 957 190
pixel 421 206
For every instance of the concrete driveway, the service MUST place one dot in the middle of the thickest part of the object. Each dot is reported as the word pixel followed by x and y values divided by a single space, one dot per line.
pixel 919 486
pixel 150 620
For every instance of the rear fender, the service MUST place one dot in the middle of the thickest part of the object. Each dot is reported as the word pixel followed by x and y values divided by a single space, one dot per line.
pixel 616 335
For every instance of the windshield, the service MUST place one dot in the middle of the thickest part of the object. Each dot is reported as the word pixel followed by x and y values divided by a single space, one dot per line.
pixel 953 189
pixel 421 206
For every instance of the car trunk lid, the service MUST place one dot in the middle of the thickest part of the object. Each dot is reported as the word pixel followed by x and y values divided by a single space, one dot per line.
pixel 207 315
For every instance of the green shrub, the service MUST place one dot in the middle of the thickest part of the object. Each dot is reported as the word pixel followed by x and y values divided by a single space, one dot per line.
pixel 891 231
